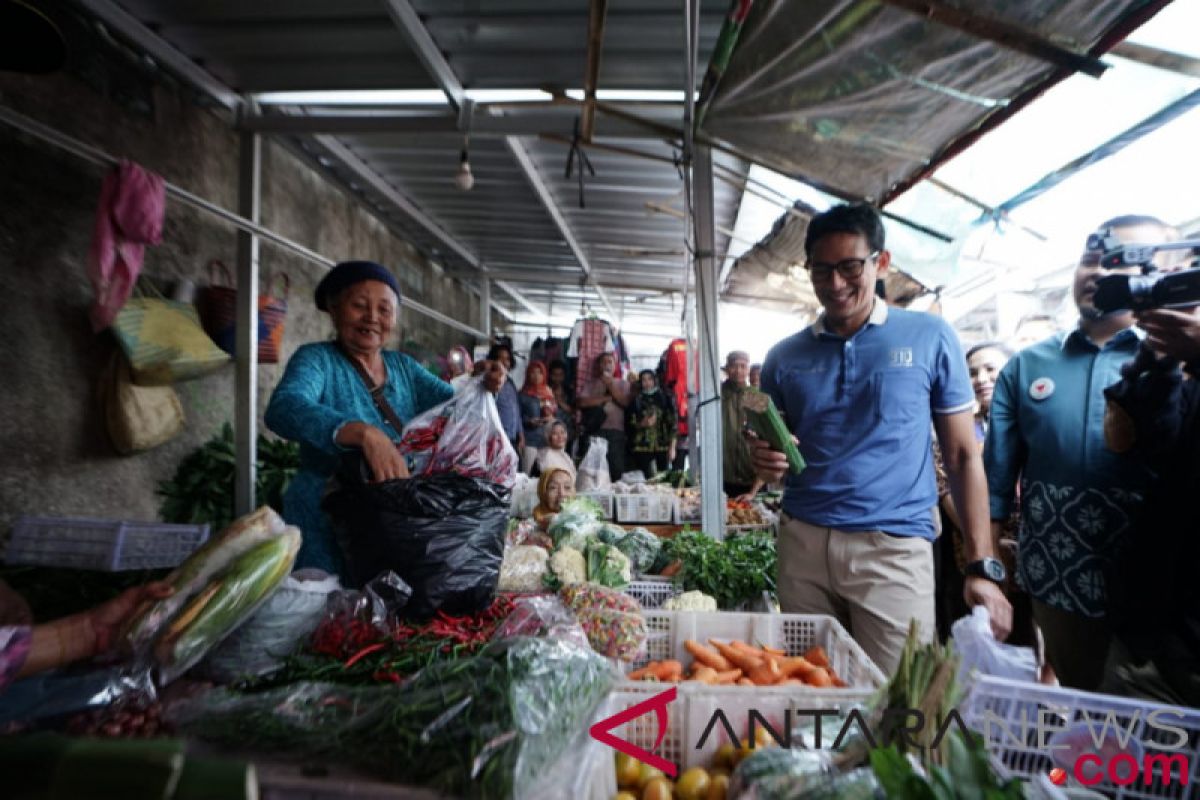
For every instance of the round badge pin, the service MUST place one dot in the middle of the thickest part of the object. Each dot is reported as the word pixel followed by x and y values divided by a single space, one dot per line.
pixel 1041 388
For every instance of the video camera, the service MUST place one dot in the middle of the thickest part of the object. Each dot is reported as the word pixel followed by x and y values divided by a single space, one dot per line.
pixel 1151 289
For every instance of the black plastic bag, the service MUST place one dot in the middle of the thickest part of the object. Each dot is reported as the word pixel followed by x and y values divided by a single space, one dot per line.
pixel 442 534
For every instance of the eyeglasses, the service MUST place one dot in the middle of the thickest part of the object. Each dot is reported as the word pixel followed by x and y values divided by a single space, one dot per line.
pixel 849 268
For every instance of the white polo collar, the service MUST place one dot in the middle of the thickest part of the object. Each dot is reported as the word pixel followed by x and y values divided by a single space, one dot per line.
pixel 879 315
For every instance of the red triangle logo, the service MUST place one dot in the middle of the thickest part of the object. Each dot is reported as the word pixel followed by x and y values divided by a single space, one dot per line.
pixel 601 731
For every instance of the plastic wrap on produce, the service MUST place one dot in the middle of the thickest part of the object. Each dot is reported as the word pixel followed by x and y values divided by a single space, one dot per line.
pixel 593 469
pixel 612 620
pixel 775 773
pixel 526 531
pixel 642 547
pixel 223 605
pixel 289 615
pixel 544 617
pixel 461 436
pixel 523 569
pixel 496 725
pixel 58 694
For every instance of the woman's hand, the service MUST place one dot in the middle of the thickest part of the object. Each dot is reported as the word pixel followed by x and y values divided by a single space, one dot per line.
pixel 382 457
pixel 106 620
pixel 494 375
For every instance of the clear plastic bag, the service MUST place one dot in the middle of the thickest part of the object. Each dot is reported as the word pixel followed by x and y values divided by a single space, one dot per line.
pixel 593 469
pixel 526 531
pixel 496 725
pixel 377 605
pixel 612 620
pixel 291 613
pixel 524 496
pixel 544 617
pixel 57 694
pixel 523 568
pixel 462 436
pixel 980 651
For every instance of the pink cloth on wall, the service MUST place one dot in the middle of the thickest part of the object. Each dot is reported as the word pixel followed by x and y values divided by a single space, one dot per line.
pixel 129 216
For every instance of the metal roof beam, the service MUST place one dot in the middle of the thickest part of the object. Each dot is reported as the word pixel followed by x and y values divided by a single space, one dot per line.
pixel 1003 33
pixel 128 26
pixel 515 294
pixel 543 192
pixel 363 172
pixel 426 49
pixel 597 11
pixel 524 123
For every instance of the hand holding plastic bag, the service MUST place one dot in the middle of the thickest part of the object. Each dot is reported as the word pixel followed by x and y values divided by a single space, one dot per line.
pixel 975 643
pixel 462 436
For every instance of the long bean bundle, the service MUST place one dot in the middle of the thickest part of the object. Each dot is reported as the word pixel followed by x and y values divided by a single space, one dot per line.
pixel 489 726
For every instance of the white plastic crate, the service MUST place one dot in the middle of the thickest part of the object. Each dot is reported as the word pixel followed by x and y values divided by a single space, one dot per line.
pixel 649 507
pixel 605 499
pixel 691 511
pixel 792 633
pixel 1005 712
pixel 652 594
pixel 101 544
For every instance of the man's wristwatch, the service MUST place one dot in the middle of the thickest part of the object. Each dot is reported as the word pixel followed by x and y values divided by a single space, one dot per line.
pixel 989 568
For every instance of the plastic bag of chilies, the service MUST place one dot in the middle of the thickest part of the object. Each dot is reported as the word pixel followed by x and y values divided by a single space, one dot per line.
pixel 462 436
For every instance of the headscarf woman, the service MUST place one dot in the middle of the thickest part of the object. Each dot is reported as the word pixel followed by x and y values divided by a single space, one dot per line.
pixel 324 403
pixel 553 487
pixel 538 409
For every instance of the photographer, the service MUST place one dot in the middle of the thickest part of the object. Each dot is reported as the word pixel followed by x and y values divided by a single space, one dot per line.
pixel 1154 413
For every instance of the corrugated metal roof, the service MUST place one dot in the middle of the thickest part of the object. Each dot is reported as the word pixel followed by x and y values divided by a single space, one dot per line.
pixel 635 253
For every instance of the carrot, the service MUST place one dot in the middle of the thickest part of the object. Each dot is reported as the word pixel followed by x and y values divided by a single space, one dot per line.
pixel 645 672
pixel 838 682
pixel 744 682
pixel 672 569
pixel 774 651
pixel 791 682
pixel 744 661
pixel 818 677
pixel 705 675
pixel 765 674
pixel 817 655
pixel 707 656
pixel 740 645
pixel 795 666
pixel 729 676
pixel 669 669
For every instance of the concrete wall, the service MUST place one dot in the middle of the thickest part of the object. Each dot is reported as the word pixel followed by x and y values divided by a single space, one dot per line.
pixel 55 458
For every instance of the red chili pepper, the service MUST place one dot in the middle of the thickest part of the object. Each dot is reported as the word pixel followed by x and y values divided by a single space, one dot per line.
pixel 361 654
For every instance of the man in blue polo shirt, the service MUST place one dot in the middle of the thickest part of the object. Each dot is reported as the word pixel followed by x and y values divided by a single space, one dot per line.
pixel 1078 498
pixel 858 388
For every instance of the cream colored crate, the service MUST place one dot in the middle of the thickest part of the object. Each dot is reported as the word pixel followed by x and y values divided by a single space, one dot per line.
pixel 653 507
pixel 792 633
pixel 605 499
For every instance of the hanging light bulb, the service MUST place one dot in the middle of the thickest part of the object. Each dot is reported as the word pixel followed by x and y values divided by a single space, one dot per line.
pixel 464 179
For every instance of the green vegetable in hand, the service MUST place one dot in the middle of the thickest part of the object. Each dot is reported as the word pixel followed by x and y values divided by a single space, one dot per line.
pixel 764 419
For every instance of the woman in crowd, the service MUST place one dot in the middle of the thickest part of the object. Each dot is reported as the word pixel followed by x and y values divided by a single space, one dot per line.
pixel 652 427
pixel 508 404
pixel 27 649
pixel 554 455
pixel 538 410
pixel 603 404
pixel 349 394
pixel 554 486
pixel 984 362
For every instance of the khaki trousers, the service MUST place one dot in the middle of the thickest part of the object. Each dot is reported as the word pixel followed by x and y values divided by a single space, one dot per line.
pixel 873 583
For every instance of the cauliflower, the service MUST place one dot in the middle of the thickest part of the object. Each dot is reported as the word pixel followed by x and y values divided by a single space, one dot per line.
pixel 691 601
pixel 522 569
pixel 608 566
pixel 569 566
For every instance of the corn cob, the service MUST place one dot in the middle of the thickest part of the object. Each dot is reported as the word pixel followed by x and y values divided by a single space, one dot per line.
pixel 198 570
pixel 767 424
pixel 226 603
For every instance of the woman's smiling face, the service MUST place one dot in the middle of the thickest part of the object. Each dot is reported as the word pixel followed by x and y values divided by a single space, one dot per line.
pixel 364 315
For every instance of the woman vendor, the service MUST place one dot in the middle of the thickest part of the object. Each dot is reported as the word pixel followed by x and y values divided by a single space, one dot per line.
pixel 324 403
pixel 554 486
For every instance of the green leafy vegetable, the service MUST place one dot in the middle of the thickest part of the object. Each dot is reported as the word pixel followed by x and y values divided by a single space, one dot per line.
pixel 735 571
